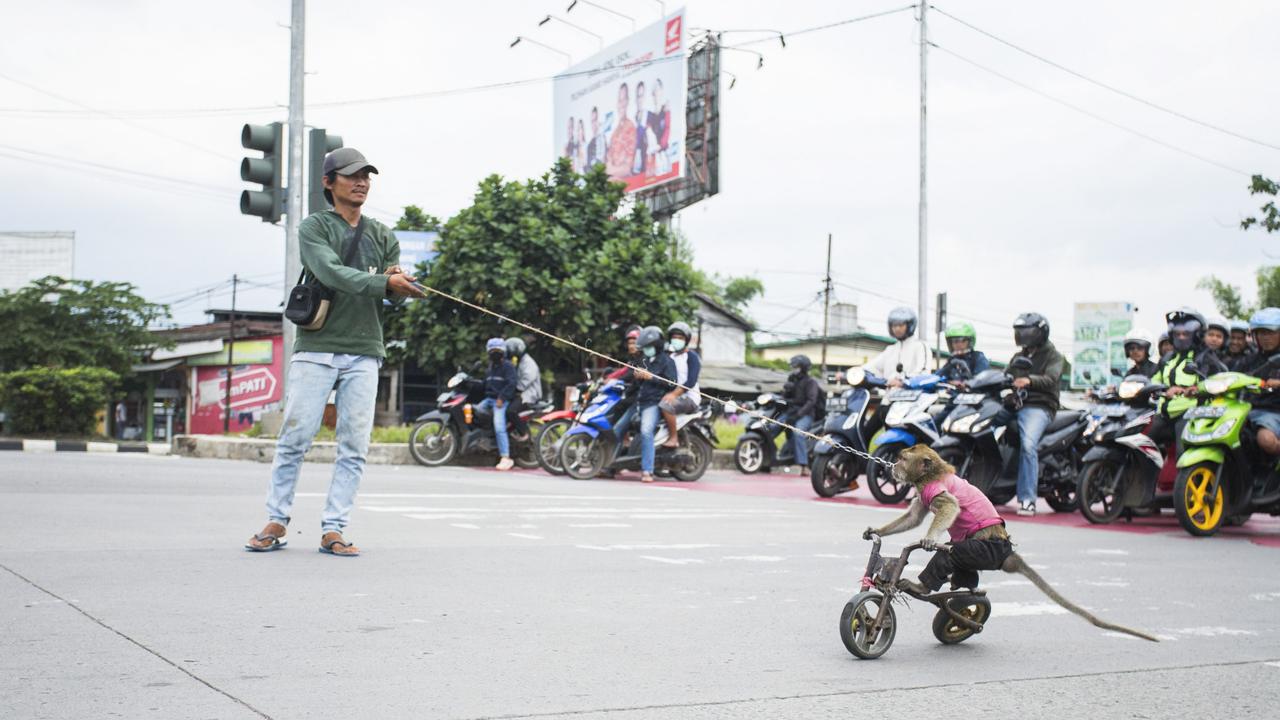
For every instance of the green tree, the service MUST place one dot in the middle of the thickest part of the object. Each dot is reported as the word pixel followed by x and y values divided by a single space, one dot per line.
pixel 1270 219
pixel 415 219
pixel 553 252
pixel 61 323
pixel 738 291
pixel 58 401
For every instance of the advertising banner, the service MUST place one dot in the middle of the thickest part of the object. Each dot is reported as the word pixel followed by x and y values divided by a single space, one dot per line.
pixel 624 107
pixel 255 389
pixel 416 246
pixel 1098 351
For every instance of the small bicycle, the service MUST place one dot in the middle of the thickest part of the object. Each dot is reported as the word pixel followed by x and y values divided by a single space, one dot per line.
pixel 868 623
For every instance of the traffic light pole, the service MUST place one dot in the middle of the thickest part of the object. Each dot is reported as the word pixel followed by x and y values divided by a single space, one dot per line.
pixel 293 210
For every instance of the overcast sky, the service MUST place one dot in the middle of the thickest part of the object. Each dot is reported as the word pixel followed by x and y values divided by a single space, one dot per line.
pixel 1033 205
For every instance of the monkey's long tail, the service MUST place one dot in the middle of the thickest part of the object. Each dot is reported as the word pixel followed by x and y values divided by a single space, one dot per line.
pixel 1015 563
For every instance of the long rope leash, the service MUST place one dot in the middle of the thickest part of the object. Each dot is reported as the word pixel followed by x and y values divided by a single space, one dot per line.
pixel 728 405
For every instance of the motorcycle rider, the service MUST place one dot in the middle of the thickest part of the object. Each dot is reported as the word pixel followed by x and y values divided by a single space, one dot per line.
pixel 1041 383
pixel 907 356
pixel 1164 346
pixel 1216 333
pixel 961 340
pixel 1238 354
pixel 804 406
pixel 679 401
pixel 528 384
pixel 655 373
pixel 634 358
pixel 499 389
pixel 1186 334
pixel 1137 347
pixel 1265 415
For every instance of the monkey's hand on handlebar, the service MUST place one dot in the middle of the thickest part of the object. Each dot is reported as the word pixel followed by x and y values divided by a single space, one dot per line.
pixel 928 543
pixel 869 533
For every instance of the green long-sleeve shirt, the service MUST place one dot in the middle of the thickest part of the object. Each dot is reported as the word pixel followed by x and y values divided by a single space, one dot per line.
pixel 354 325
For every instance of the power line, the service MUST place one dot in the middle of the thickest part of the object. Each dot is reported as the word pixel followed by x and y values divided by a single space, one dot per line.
pixel 788 318
pixel 140 183
pixel 1092 114
pixel 1105 86
pixel 112 168
pixel 828 26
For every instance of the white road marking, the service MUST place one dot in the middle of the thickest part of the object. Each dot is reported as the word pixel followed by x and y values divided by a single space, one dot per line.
pixel 1210 631
pixel 833 556
pixel 525 536
pixel 599 525
pixel 1007 583
pixel 445 516
pixel 672 561
pixel 1105 551
pixel 1272 664
pixel 1017 609
pixel 650 546
pixel 1265 596
pixel 465 526
pixel 754 558
pixel 1104 583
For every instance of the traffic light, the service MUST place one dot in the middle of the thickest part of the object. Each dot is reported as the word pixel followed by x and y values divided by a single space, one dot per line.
pixel 322 144
pixel 267 171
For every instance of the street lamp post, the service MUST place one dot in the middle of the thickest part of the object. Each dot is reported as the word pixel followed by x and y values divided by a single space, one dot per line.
pixel 521 38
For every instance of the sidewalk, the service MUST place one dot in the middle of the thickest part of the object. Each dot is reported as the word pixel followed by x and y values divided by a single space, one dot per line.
pixel 93 446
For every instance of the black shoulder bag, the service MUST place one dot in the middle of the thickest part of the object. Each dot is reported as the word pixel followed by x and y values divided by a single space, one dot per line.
pixel 308 305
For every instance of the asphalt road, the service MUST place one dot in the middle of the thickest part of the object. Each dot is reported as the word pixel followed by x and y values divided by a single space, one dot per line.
pixel 124 592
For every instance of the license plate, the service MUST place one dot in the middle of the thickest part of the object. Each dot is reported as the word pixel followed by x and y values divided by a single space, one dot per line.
pixel 1110 411
pixel 969 399
pixel 902 395
pixel 1206 411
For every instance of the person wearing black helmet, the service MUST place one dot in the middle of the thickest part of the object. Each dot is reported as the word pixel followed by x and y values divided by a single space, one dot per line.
pixel 1041 383
pixel 633 357
pixel 679 401
pixel 499 392
pixel 1186 329
pixel 804 406
pixel 528 385
pixel 655 373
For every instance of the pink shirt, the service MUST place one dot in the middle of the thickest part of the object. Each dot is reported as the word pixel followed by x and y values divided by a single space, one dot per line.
pixel 976 511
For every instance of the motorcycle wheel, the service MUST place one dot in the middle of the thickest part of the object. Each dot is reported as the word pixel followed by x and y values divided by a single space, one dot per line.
pixel 831 474
pixel 949 632
pixel 1101 491
pixel 1199 514
pixel 525 454
pixel 582 456
pixel 433 443
pixel 691 469
pixel 547 448
pixel 748 456
pixel 859 613
pixel 1062 497
pixel 880 480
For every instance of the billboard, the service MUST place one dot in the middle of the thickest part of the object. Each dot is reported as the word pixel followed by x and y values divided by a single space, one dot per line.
pixel 256 386
pixel 624 107
pixel 27 256
pixel 416 246
pixel 1097 354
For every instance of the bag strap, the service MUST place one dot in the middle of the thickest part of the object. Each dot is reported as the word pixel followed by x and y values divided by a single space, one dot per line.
pixel 347 256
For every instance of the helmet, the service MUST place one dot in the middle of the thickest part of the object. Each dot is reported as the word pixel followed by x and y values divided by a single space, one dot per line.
pixel 1030 329
pixel 1267 318
pixel 515 347
pixel 1185 319
pixel 682 328
pixel 801 363
pixel 905 316
pixel 649 336
pixel 1238 326
pixel 961 330
pixel 633 332
pixel 1141 338
pixel 496 345
pixel 1217 321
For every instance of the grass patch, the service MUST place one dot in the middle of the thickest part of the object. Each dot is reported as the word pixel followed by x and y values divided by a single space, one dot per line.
pixel 390 434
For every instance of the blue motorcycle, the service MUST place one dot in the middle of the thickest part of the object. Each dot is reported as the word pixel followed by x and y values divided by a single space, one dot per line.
pixel 909 421
pixel 835 470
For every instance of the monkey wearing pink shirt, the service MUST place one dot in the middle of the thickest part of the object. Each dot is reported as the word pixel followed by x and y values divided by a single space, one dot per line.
pixel 978 539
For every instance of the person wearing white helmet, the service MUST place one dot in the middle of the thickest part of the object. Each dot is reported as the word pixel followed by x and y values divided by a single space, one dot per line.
pixel 908 355
pixel 1137 347
pixel 1239 351
pixel 1265 415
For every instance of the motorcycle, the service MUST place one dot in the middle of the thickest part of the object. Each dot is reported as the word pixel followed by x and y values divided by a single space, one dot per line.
pixel 1124 470
pixel 908 421
pixel 591 447
pixel 1223 477
pixel 554 425
pixel 836 470
pixel 757 449
pixel 458 428
pixel 987 454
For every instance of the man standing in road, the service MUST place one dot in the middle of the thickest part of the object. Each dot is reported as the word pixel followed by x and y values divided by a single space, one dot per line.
pixel 345 353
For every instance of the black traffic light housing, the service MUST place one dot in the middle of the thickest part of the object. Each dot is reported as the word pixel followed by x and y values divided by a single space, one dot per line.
pixel 267 171
pixel 321 144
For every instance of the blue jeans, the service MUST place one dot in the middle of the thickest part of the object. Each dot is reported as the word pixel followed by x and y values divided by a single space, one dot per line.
pixel 800 442
pixel 649 417
pixel 624 424
pixel 308 390
pixel 499 424
pixel 1031 424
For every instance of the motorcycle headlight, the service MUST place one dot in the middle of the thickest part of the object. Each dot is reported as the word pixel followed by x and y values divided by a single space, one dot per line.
pixel 763 400
pixel 443 396
pixel 1217 385
pixel 962 424
pixel 456 380
pixel 1129 389
pixel 1223 430
pixel 855 376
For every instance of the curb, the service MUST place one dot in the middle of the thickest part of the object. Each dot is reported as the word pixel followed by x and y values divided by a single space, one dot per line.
pixel 93 446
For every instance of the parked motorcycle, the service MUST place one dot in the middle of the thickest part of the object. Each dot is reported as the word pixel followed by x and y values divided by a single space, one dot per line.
pixel 1124 470
pixel 987 455
pixel 757 449
pixel 836 470
pixel 1223 476
pixel 458 428
pixel 591 447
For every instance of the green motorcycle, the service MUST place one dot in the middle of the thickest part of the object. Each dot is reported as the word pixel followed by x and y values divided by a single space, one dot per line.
pixel 1222 475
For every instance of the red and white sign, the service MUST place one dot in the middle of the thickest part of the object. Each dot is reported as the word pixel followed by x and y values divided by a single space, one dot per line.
pixel 254 389
pixel 673 34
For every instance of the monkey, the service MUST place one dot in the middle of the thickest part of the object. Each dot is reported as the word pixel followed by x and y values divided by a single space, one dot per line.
pixel 979 540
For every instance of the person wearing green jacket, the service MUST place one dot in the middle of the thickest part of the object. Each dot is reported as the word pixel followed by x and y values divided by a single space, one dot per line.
pixel 1186 333
pixel 345 353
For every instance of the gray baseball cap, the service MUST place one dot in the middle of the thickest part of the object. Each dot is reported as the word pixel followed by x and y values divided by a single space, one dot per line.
pixel 346 161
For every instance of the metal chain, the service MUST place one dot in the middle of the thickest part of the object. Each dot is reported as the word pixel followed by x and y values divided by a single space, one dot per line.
pixel 727 404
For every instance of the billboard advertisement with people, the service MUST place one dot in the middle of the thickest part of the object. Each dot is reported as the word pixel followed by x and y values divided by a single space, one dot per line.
pixel 624 107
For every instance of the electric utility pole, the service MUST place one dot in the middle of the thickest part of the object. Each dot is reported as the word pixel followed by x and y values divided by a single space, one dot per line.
pixel 826 308
pixel 293 210
pixel 923 298
pixel 231 344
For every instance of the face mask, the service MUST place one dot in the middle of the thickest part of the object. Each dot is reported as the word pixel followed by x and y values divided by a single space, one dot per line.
pixel 677 344
pixel 650 351
pixel 496 357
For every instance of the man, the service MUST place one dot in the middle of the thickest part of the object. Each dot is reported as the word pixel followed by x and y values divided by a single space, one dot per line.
pixel 122 417
pixel 654 373
pixel 1265 415
pixel 622 146
pixel 1238 353
pixel 499 393
pixel 961 339
pixel 595 148
pixel 1186 337
pixel 804 407
pixel 907 356
pixel 1214 354
pixel 642 129
pixel 1041 383
pixel 528 383
pixel 345 352
pixel 1137 347
pixel 679 401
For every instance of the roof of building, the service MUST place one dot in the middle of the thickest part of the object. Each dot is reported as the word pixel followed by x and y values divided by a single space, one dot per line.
pixel 740 379
pixel 244 328
pixel 860 335
pixel 724 310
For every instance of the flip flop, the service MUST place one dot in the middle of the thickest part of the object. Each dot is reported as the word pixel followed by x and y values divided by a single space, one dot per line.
pixel 277 543
pixel 327 548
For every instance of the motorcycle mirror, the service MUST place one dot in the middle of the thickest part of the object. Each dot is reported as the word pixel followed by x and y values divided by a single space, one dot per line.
pixel 1194 369
pixel 899 367
pixel 1022 362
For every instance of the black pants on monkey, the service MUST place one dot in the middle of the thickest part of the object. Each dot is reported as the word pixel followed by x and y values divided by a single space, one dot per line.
pixel 963 562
